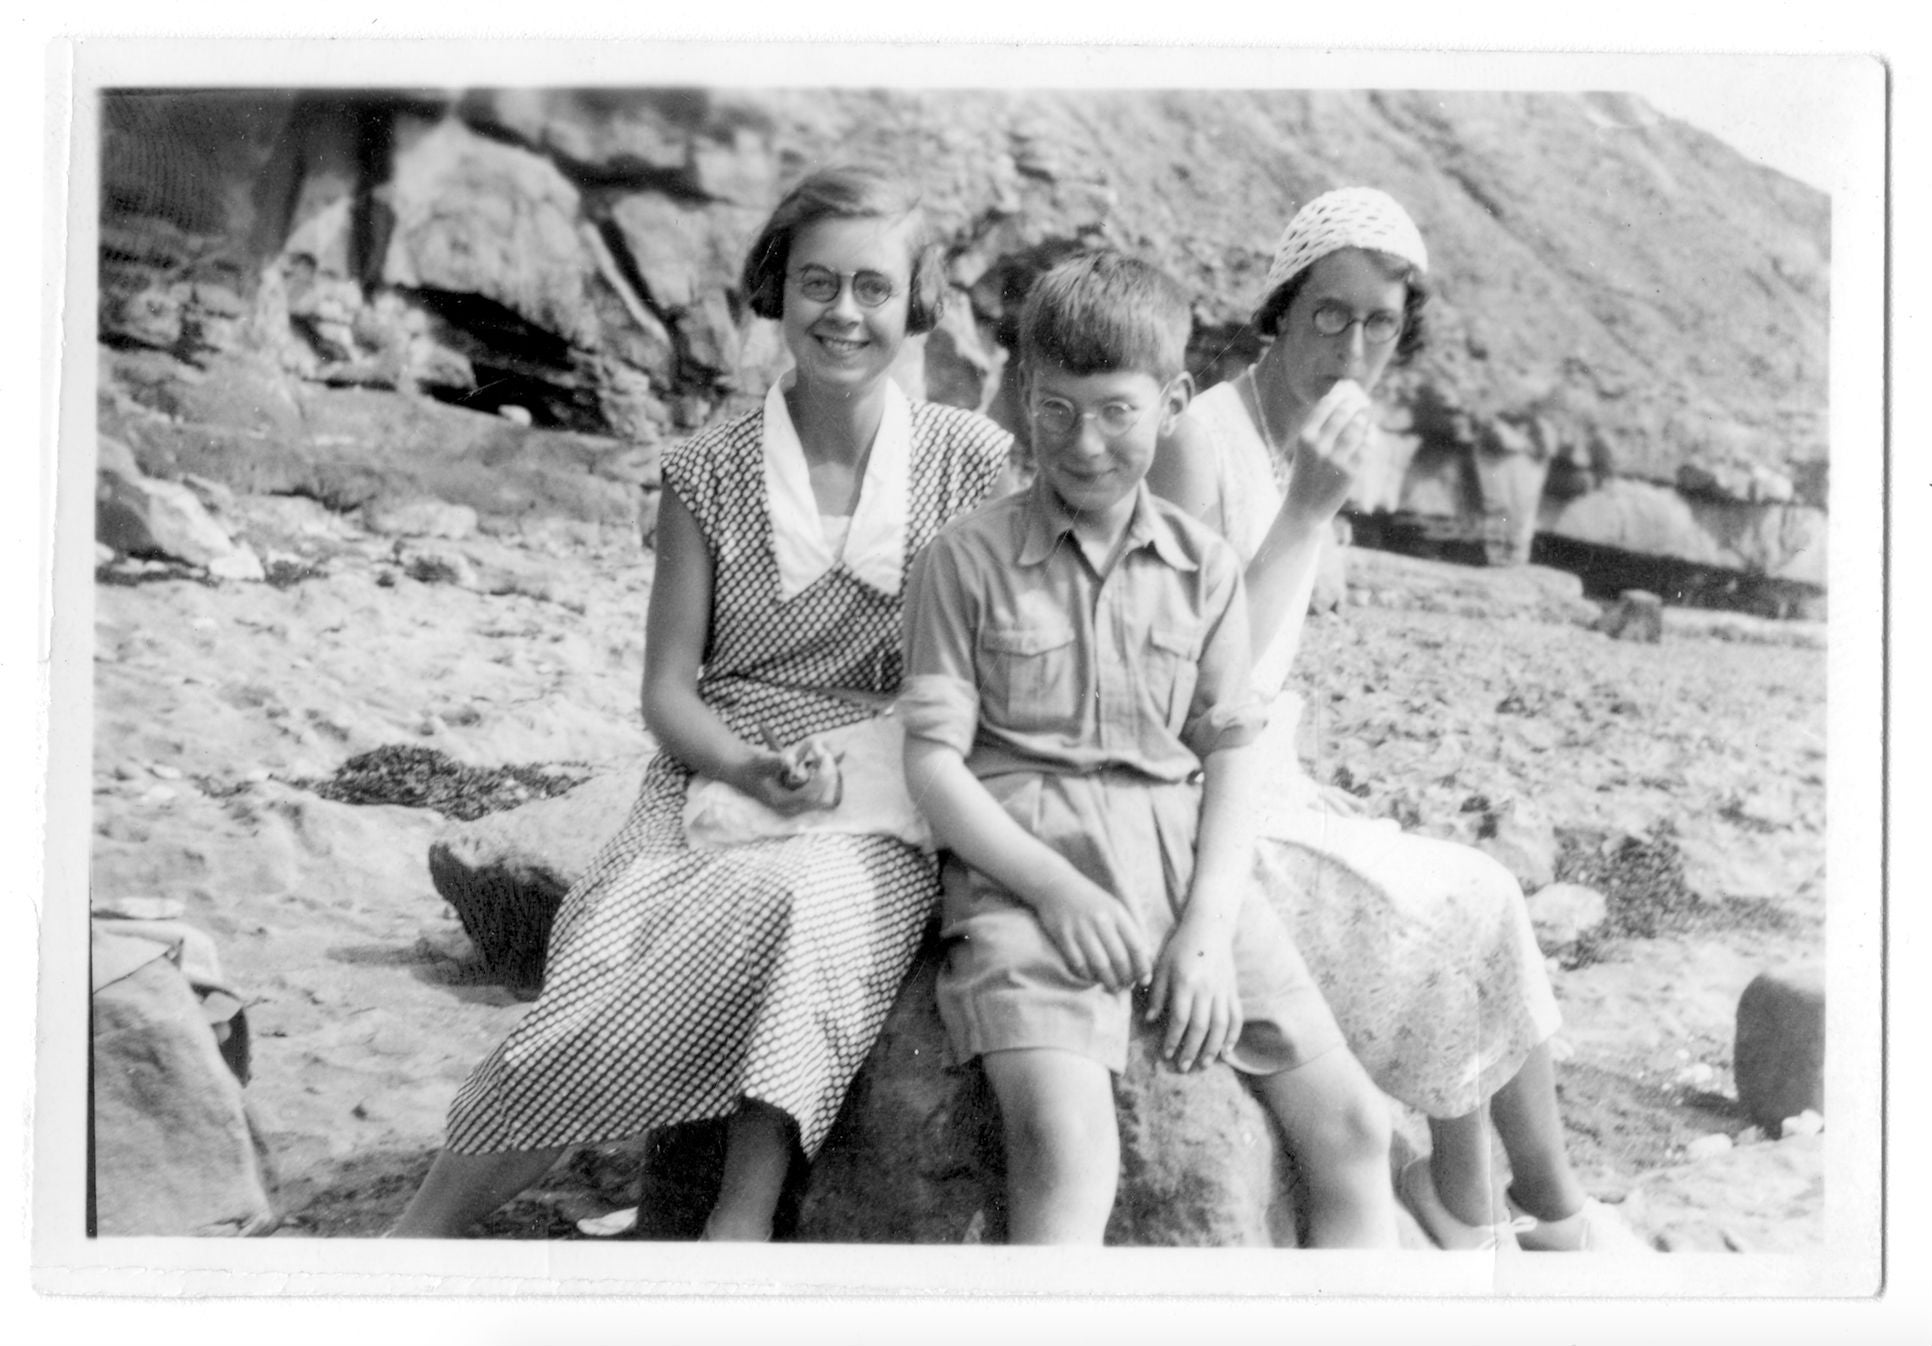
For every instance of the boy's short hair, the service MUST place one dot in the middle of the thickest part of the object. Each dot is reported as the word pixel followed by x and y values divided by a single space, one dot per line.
pixel 1103 313
pixel 849 192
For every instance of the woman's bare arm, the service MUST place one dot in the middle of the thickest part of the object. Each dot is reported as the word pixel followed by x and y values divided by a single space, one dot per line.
pixel 675 634
pixel 1281 575
pixel 1183 472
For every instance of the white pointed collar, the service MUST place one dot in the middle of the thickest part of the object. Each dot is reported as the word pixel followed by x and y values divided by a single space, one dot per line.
pixel 875 548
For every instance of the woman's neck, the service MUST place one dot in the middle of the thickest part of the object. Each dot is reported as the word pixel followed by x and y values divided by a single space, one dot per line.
pixel 1282 412
pixel 833 425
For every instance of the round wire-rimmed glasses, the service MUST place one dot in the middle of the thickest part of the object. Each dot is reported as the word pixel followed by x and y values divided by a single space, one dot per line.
pixel 821 285
pixel 1378 328
pixel 1058 418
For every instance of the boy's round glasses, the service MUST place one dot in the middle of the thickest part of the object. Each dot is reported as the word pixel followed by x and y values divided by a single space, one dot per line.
pixel 1058 417
pixel 821 285
pixel 1378 328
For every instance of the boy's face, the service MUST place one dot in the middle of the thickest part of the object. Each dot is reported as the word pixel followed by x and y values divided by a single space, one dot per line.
pixel 1094 434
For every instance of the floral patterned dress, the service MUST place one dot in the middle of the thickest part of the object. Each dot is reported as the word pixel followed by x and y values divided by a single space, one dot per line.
pixel 1423 947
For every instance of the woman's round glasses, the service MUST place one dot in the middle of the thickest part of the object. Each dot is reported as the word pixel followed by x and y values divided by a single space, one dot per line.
pixel 1378 328
pixel 821 285
pixel 1058 417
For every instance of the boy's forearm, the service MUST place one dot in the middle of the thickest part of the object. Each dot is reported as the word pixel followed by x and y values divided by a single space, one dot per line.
pixel 968 822
pixel 1224 849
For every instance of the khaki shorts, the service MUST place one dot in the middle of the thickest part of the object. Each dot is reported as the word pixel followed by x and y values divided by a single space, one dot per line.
pixel 1004 986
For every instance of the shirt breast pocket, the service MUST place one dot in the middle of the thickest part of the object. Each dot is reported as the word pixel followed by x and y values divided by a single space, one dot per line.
pixel 1028 676
pixel 1172 670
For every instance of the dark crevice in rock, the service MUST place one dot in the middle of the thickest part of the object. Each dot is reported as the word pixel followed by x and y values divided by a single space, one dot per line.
pixel 689 374
pixel 516 363
pixel 1608 571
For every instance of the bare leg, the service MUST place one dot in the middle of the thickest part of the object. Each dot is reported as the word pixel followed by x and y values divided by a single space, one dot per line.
pixel 1338 1127
pixel 758 1154
pixel 1463 1168
pixel 1062 1144
pixel 1531 1127
pixel 462 1188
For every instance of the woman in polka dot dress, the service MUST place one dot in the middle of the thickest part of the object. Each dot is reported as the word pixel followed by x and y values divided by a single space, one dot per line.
pixel 749 983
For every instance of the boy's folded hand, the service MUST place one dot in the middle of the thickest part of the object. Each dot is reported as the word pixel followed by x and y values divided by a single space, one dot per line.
pixel 1195 987
pixel 1098 936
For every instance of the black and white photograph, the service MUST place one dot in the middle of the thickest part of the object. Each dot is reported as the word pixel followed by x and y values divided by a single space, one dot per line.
pixel 1017 670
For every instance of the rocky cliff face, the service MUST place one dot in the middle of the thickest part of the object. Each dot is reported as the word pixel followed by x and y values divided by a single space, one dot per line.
pixel 1630 334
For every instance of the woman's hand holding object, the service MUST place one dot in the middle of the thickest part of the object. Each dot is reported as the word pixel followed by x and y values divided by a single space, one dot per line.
pixel 1328 451
pixel 795 779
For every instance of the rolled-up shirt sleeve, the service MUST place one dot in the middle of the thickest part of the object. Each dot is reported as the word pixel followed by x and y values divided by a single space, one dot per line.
pixel 939 700
pixel 1226 711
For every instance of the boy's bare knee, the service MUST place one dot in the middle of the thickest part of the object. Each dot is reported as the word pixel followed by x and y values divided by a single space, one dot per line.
pixel 1361 1129
pixel 1062 1137
pixel 1332 1114
pixel 1054 1110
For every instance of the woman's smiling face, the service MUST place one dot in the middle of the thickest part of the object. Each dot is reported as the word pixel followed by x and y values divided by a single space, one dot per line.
pixel 840 342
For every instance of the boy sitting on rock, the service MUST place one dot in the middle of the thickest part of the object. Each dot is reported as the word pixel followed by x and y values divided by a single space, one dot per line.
pixel 1079 712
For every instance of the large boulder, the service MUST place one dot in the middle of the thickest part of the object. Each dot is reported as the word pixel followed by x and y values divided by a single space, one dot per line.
pixel 474 216
pixel 1778 1059
pixel 506 873
pixel 174 1150
pixel 915 1155
pixel 1754 537
pixel 137 515
pixel 350 448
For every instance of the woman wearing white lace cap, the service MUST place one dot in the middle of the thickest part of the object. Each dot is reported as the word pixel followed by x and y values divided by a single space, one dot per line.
pixel 1423 947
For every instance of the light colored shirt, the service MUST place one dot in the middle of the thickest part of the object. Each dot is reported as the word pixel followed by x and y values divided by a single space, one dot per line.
pixel 1022 657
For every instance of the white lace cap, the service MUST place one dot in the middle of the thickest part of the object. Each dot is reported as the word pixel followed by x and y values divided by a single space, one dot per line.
pixel 1349 217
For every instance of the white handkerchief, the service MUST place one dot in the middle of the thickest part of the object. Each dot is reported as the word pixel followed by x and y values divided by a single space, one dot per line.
pixel 875 548
pixel 874 798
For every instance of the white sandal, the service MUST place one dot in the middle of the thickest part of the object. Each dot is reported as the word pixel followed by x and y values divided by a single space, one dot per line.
pixel 1416 1186
pixel 1593 1229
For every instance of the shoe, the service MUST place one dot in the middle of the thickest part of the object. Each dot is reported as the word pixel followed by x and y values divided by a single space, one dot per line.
pixel 610 1225
pixel 1416 1187
pixel 1596 1228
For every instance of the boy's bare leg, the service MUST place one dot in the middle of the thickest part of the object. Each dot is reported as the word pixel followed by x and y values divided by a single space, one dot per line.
pixel 1338 1127
pixel 462 1188
pixel 1463 1168
pixel 758 1154
pixel 1062 1144
pixel 1531 1127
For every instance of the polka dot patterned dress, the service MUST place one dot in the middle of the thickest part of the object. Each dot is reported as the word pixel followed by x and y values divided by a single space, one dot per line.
pixel 681 981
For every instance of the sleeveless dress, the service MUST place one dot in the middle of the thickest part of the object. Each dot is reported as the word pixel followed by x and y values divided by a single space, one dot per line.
pixel 1423 947
pixel 680 981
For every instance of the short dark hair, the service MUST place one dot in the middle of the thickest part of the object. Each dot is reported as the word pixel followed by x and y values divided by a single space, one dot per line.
pixel 1415 325
pixel 847 192
pixel 1101 313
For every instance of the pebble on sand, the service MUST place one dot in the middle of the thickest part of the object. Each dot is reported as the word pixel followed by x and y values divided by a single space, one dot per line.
pixel 1709 1147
